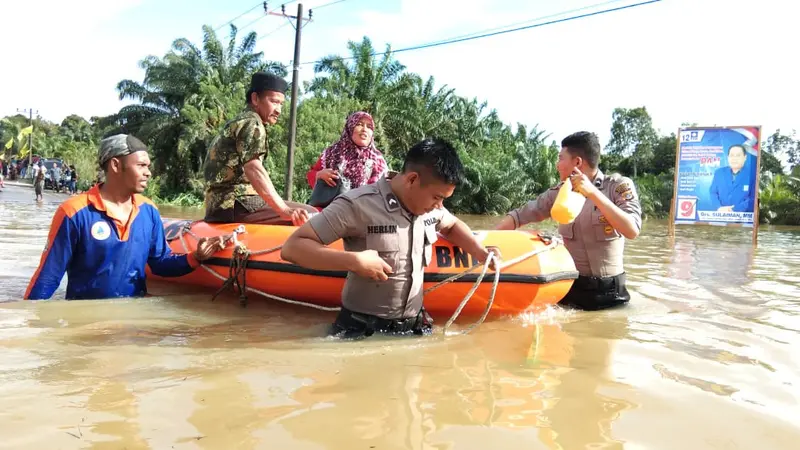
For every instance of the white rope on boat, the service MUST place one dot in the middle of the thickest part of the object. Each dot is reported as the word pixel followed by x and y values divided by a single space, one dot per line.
pixel 553 242
pixel 237 244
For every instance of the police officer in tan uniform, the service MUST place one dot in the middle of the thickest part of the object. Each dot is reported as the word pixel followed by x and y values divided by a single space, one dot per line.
pixel 388 228
pixel 596 239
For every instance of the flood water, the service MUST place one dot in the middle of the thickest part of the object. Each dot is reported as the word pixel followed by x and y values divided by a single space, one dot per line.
pixel 705 357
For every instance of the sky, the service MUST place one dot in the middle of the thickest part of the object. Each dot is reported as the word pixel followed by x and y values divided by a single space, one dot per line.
pixel 713 62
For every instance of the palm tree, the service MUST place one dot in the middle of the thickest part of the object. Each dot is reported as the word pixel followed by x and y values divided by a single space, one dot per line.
pixel 361 76
pixel 779 198
pixel 76 128
pixel 421 111
pixel 376 83
pixel 209 81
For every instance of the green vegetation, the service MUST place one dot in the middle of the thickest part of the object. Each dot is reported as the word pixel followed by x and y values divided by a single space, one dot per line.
pixel 74 140
pixel 187 95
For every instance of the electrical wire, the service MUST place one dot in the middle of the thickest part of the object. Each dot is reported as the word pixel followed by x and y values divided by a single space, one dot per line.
pixel 240 15
pixel 251 9
pixel 496 33
pixel 525 22
pixel 328 4
pixel 275 30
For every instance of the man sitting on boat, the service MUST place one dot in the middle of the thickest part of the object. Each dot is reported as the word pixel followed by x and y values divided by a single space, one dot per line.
pixel 596 239
pixel 388 229
pixel 104 237
pixel 239 188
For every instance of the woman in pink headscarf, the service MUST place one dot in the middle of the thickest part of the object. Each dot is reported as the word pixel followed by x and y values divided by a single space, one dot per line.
pixel 353 156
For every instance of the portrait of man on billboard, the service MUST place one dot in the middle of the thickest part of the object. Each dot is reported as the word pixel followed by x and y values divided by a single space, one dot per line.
pixel 733 187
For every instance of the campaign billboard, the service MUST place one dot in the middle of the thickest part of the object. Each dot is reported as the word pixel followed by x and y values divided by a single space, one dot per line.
pixel 716 175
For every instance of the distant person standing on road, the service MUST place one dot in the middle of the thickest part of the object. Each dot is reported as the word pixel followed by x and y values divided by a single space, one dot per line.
pixel 73 181
pixel 38 182
pixel 55 177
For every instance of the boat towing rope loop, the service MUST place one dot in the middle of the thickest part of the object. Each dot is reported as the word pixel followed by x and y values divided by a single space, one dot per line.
pixel 241 255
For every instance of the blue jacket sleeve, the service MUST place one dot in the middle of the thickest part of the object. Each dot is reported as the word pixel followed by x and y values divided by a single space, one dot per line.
pixel 161 260
pixel 55 259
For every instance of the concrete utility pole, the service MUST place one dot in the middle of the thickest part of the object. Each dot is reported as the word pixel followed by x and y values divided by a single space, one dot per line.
pixel 287 192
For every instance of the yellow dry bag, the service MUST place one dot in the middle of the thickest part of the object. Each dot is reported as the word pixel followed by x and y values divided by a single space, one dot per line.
pixel 568 204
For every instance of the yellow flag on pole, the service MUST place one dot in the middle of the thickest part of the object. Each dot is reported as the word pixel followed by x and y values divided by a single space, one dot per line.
pixel 24 132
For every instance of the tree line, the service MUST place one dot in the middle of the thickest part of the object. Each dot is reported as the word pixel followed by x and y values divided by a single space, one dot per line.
pixel 188 94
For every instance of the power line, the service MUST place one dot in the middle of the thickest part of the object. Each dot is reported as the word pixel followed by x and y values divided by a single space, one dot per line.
pixel 552 22
pixel 257 18
pixel 274 13
pixel 240 15
pixel 525 22
pixel 252 22
pixel 275 30
pixel 329 4
pixel 262 4
pixel 480 36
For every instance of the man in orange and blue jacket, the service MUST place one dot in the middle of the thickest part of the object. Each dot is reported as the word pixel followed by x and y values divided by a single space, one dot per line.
pixel 103 238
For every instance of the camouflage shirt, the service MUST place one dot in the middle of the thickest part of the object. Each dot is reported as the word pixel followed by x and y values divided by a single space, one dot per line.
pixel 242 139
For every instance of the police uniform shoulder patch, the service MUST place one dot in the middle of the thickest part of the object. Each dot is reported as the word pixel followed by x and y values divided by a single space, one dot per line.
pixel 622 187
pixel 625 189
pixel 392 202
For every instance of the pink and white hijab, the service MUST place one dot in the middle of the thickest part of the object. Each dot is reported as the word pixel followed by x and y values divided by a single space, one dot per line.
pixel 360 165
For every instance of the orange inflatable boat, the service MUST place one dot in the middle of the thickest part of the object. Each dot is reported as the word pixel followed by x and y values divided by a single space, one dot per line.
pixel 535 271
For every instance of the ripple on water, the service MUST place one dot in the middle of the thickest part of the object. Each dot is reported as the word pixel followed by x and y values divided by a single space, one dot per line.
pixel 710 339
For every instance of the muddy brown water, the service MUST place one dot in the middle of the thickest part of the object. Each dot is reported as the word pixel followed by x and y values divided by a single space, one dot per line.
pixel 705 356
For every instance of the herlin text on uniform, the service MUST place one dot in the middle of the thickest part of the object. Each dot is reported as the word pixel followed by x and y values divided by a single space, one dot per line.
pixel 381 229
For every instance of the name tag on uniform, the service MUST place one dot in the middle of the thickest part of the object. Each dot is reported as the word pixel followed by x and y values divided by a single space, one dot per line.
pixel 746 187
pixel 381 229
